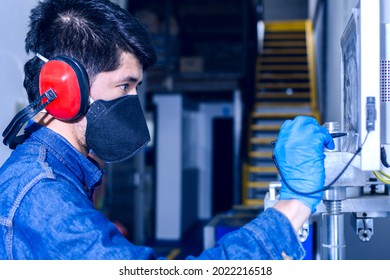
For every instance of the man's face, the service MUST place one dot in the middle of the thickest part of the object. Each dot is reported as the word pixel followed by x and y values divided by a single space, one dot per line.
pixel 120 82
pixel 112 85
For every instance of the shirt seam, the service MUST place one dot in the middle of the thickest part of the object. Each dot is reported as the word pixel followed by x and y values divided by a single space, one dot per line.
pixel 9 222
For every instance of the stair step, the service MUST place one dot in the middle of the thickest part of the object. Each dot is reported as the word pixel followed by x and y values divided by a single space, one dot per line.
pixel 282 95
pixel 283 59
pixel 262 169
pixel 286 26
pixel 263 148
pixel 265 141
pixel 276 108
pixel 295 110
pixel 260 154
pixel 284 43
pixel 270 134
pixel 254 202
pixel 274 51
pixel 284 36
pixel 280 115
pixel 259 185
pixel 261 161
pixel 243 207
pixel 281 105
pixel 282 85
pixel 282 67
pixel 264 127
pixel 291 76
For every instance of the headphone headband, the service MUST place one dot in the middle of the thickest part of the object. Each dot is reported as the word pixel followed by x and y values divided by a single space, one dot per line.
pixel 64 93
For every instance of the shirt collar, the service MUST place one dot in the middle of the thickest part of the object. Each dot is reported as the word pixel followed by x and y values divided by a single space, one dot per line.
pixel 83 168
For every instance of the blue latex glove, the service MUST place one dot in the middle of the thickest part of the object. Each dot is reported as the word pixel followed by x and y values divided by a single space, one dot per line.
pixel 299 152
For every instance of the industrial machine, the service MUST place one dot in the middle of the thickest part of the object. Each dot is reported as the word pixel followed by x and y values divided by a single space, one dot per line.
pixel 357 170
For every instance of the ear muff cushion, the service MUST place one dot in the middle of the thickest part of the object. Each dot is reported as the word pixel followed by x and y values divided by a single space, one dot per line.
pixel 68 79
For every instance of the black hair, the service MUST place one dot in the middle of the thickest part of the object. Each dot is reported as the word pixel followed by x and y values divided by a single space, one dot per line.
pixel 94 32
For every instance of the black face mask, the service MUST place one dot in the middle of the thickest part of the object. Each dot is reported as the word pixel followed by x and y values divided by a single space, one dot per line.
pixel 116 129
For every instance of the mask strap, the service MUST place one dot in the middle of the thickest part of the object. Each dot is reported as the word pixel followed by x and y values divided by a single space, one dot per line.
pixel 91 100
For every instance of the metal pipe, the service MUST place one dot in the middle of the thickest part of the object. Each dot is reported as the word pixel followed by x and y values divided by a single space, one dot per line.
pixel 333 237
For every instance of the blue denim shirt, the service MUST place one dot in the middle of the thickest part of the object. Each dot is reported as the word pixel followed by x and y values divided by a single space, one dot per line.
pixel 47 212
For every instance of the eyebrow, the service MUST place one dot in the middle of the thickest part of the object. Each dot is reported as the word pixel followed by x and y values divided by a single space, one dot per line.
pixel 130 79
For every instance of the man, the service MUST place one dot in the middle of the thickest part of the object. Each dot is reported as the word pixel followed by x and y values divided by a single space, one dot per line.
pixel 47 184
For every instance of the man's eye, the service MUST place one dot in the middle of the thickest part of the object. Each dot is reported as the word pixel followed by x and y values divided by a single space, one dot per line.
pixel 124 87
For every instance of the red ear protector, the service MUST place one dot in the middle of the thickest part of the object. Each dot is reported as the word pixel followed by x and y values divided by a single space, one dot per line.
pixel 68 79
pixel 64 92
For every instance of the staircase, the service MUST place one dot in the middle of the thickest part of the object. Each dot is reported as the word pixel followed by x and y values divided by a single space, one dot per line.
pixel 285 88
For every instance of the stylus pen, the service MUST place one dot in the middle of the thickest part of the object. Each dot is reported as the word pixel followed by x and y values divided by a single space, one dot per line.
pixel 338 134
pixel 334 135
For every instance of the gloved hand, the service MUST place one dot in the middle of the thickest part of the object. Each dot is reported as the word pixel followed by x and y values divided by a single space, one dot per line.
pixel 299 152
